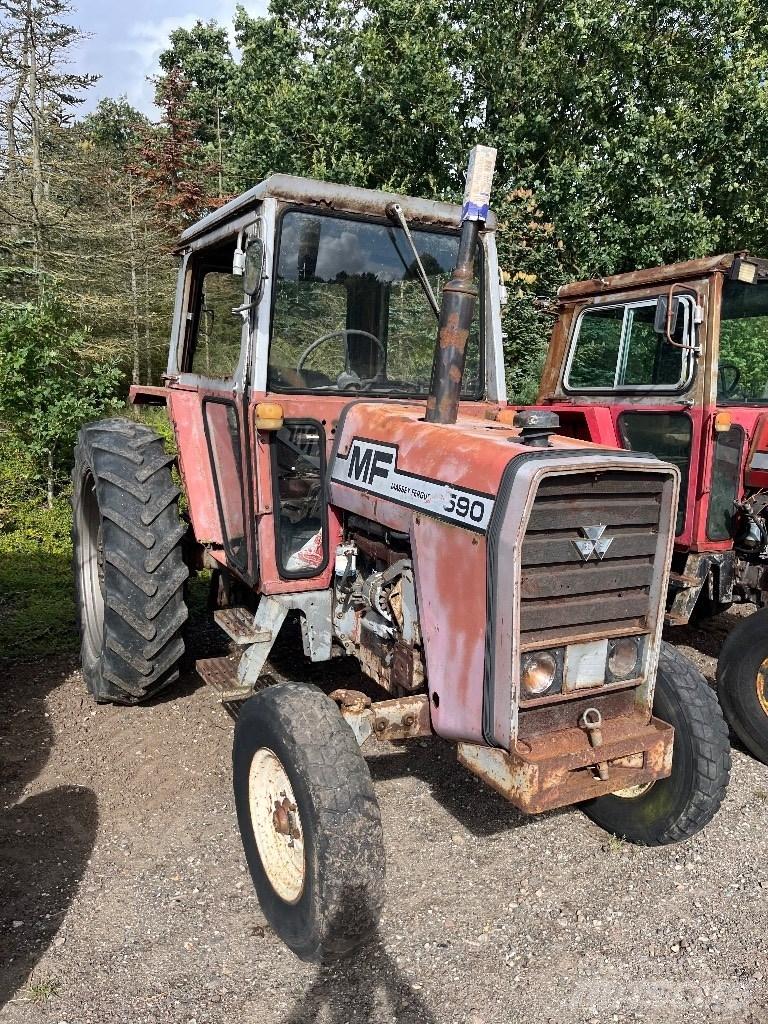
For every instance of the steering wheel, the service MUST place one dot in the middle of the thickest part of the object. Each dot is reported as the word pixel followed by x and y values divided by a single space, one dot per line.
pixel 343 333
pixel 726 385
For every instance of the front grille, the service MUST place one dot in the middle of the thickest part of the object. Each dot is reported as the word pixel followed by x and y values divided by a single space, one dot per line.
pixel 563 597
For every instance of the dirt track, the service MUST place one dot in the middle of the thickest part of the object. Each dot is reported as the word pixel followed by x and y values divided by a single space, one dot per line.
pixel 125 898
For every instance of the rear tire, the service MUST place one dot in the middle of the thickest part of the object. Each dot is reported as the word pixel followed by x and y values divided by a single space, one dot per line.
pixel 128 566
pixel 677 807
pixel 309 821
pixel 742 682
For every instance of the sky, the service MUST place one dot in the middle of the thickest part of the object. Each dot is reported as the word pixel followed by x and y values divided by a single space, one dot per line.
pixel 125 40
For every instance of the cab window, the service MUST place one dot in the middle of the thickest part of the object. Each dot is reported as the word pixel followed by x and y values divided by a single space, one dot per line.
pixel 621 348
pixel 666 435
pixel 742 371
pixel 213 336
pixel 350 313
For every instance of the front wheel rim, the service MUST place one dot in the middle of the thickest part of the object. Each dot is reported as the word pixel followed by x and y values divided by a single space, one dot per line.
pixel 633 792
pixel 761 685
pixel 91 568
pixel 276 825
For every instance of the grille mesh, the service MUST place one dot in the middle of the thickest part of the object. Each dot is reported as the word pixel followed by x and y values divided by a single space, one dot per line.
pixel 561 595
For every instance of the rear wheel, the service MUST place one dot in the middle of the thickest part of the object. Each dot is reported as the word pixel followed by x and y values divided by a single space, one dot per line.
pixel 127 561
pixel 742 682
pixel 677 807
pixel 309 821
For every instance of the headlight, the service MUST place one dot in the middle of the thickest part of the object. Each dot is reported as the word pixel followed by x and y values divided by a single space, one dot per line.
pixel 538 674
pixel 622 660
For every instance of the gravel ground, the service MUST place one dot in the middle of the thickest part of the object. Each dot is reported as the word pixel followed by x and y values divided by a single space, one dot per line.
pixel 124 894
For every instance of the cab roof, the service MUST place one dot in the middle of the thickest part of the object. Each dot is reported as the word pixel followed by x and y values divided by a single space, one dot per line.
pixel 655 275
pixel 326 195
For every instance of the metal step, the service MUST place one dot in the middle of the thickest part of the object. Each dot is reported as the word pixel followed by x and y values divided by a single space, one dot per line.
pixel 221 675
pixel 237 623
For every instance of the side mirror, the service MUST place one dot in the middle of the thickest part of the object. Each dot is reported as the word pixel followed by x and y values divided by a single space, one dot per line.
pixel 660 320
pixel 254 267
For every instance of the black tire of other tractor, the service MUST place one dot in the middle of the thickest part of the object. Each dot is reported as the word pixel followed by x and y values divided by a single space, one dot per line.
pixel 127 561
pixel 677 807
pixel 339 906
pixel 741 657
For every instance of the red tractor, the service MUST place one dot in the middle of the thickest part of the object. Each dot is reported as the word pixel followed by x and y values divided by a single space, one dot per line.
pixel 674 361
pixel 499 587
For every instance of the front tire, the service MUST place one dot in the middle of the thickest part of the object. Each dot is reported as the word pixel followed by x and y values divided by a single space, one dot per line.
pixel 127 561
pixel 309 821
pixel 677 807
pixel 742 682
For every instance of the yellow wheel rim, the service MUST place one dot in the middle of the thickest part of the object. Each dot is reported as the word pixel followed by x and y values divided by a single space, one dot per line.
pixel 761 685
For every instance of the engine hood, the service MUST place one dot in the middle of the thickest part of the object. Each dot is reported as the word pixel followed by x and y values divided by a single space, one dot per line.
pixel 451 472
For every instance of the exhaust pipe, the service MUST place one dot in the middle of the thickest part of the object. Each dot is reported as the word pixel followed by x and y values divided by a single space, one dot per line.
pixel 459 294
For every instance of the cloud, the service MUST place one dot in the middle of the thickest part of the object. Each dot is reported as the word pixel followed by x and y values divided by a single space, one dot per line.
pixel 131 58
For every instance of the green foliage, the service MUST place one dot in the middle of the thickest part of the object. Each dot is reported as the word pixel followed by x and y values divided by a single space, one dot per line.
pixel 629 133
pixel 37 611
pixel 156 417
pixel 47 388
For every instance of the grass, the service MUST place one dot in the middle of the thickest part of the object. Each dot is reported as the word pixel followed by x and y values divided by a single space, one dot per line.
pixel 614 844
pixel 37 603
pixel 37 608
pixel 41 990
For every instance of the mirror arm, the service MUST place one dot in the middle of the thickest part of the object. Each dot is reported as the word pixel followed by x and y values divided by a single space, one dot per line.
pixel 668 324
pixel 245 309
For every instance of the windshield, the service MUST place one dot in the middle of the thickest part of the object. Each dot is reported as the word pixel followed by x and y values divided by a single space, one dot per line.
pixel 618 348
pixel 742 371
pixel 350 313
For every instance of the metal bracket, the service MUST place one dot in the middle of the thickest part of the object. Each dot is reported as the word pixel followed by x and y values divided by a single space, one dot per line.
pixel 315 607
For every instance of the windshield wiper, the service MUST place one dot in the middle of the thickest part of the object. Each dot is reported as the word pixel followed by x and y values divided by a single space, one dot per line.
pixel 395 212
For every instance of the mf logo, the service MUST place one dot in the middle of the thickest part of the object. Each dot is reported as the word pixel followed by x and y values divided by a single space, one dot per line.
pixel 369 463
pixel 594 544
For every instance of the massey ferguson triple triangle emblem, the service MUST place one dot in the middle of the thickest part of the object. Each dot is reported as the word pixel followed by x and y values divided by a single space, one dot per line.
pixel 595 543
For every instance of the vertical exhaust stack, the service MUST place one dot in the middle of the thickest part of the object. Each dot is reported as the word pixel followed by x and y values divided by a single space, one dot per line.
pixel 460 293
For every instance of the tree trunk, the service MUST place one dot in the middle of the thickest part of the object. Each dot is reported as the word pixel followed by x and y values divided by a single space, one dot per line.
pixel 134 285
pixel 49 480
pixel 38 186
pixel 147 342
pixel 218 139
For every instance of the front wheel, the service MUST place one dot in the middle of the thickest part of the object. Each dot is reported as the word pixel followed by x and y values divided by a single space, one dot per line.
pixel 742 682
pixel 309 821
pixel 675 808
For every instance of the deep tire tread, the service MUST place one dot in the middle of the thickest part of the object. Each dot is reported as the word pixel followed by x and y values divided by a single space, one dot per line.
pixel 713 750
pixel 710 764
pixel 745 648
pixel 144 572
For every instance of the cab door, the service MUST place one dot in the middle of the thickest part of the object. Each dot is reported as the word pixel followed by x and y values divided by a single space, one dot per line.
pixel 208 403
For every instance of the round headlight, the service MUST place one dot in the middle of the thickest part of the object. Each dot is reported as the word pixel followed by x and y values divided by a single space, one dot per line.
pixel 539 671
pixel 623 657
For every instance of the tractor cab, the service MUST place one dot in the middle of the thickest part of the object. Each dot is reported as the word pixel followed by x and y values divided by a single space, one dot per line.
pixel 674 361
pixel 294 300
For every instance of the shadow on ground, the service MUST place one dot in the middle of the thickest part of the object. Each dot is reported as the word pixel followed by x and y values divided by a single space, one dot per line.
pixel 481 810
pixel 363 987
pixel 706 637
pixel 46 839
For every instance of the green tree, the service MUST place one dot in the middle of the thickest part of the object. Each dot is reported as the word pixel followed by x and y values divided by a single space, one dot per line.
pixel 47 389
pixel 202 57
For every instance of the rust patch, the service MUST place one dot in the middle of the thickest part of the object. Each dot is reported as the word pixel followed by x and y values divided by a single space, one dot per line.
pixel 402 718
pixel 562 768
